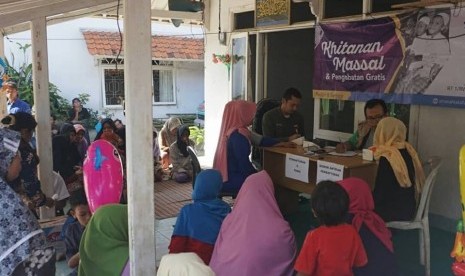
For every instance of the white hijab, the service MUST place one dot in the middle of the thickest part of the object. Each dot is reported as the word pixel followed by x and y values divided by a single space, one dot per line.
pixel 183 264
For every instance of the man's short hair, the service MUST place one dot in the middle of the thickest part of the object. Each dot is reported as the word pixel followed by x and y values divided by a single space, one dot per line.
pixel 374 102
pixel 291 92
pixel 330 202
pixel 11 84
pixel 76 100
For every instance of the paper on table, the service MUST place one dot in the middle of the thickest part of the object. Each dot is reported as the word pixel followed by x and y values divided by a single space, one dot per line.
pixel 347 153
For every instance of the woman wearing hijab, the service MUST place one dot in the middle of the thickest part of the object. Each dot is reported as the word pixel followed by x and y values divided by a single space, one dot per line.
pixel 104 247
pixel 400 176
pixel 199 223
pixel 375 236
pixel 27 184
pixel 66 159
pixel 22 245
pixel 166 138
pixel 179 156
pixel 254 239
pixel 183 264
pixel 234 144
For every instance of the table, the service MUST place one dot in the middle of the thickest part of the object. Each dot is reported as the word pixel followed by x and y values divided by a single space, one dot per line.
pixel 288 189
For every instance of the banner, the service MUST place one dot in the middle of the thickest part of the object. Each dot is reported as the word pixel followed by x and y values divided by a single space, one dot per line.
pixel 412 58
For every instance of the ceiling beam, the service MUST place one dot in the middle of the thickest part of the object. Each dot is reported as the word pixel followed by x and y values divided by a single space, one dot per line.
pixel 27 15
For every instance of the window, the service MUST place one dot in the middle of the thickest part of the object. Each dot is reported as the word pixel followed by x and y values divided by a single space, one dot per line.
pixel 162 82
pixel 337 120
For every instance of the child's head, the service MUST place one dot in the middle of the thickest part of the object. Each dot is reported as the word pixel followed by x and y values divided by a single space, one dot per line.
pixel 79 207
pixel 330 203
pixel 438 24
pixel 422 25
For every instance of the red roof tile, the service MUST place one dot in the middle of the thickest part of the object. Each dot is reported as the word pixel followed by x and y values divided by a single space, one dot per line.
pixel 173 47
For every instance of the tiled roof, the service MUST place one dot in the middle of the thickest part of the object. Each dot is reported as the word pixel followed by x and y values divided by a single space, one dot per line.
pixel 106 43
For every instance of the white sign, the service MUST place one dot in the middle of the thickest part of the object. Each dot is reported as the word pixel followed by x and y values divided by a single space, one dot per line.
pixel 297 167
pixel 329 171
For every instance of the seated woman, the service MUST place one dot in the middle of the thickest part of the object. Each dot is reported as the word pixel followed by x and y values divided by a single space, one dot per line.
pixel 166 138
pixel 27 184
pixel 108 133
pixel 23 243
pixel 400 176
pixel 375 236
pixel 234 144
pixel 179 156
pixel 81 143
pixel 255 239
pixel 199 223
pixel 66 159
pixel 104 247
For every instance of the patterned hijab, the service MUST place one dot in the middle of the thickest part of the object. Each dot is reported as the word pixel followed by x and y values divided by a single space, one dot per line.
pixel 389 138
pixel 362 207
pixel 238 115
pixel 20 232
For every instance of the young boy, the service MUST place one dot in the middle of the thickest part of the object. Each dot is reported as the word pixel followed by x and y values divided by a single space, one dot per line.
pixel 335 247
pixel 80 211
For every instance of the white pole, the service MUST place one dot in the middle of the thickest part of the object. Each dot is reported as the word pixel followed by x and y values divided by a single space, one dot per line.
pixel 42 104
pixel 138 87
pixel 3 111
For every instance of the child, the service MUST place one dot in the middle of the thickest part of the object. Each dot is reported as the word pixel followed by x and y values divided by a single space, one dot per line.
pixel 180 159
pixel 80 211
pixel 335 247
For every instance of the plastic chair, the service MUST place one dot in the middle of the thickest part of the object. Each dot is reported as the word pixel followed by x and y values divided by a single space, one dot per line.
pixel 421 221
pixel 196 169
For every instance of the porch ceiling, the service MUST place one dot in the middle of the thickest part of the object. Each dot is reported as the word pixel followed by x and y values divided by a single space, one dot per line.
pixel 15 15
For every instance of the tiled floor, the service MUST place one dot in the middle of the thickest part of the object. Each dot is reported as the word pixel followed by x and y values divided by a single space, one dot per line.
pixel 164 229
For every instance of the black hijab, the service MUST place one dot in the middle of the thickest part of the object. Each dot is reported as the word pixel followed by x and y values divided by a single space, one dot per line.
pixel 182 146
pixel 103 122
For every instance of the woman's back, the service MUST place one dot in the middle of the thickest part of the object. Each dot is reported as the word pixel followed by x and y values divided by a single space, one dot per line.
pixel 381 261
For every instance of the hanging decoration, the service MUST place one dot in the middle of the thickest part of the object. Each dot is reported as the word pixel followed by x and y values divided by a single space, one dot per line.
pixel 226 59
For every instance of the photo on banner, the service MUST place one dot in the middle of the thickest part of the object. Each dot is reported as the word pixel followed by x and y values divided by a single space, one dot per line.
pixel 412 58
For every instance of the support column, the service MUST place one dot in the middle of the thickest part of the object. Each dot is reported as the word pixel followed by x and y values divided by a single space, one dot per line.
pixel 139 163
pixel 42 104
pixel 3 111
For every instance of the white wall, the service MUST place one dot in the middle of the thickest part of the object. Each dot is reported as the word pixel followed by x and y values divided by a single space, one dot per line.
pixel 441 131
pixel 75 71
pixel 216 75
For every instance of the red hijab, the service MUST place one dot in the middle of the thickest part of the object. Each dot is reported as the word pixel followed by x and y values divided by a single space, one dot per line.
pixel 237 115
pixel 362 206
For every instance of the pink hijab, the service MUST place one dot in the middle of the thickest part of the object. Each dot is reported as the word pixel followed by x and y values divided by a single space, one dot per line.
pixel 254 238
pixel 238 115
pixel 362 206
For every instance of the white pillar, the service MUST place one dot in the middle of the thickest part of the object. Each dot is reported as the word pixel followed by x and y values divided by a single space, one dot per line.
pixel 42 103
pixel 2 95
pixel 138 87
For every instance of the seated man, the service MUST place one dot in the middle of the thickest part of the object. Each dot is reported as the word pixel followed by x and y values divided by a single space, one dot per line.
pixel 375 110
pixel 284 123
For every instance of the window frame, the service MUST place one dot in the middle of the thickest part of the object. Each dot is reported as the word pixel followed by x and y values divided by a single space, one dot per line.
pixel 173 70
pixel 169 67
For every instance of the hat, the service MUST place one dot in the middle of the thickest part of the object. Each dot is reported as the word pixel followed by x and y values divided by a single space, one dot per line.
pixel 10 84
pixel 79 127
pixel 19 120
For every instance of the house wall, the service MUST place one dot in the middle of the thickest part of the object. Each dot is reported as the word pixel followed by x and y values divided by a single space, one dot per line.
pixel 75 71
pixel 439 131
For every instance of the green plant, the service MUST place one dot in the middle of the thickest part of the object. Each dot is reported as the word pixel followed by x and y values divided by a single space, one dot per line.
pixel 198 136
pixel 22 75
